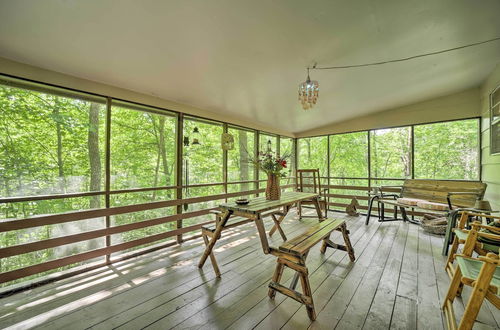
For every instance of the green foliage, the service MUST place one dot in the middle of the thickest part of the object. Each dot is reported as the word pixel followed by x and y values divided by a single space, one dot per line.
pixel 44 143
pixel 313 153
pixel 447 150
pixel 55 144
pixel 203 162
pixel 349 155
pixel 142 149
pixel 391 153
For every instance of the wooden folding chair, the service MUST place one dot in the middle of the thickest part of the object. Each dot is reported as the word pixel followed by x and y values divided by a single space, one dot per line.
pixel 308 180
pixel 482 238
pixel 483 275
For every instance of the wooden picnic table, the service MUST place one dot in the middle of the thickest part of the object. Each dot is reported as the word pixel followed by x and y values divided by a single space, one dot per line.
pixel 254 211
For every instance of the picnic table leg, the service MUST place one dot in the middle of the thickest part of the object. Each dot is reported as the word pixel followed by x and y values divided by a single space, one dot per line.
pixel 277 222
pixel 212 257
pixel 318 209
pixel 277 225
pixel 218 230
pixel 347 240
pixel 296 277
pixel 262 234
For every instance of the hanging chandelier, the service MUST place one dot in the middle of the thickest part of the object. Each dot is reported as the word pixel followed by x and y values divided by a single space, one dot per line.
pixel 308 92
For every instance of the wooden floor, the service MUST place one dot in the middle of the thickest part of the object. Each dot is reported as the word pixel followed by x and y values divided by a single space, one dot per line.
pixel 397 282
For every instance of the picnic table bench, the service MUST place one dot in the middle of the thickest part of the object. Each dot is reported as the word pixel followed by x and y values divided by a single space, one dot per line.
pixel 292 253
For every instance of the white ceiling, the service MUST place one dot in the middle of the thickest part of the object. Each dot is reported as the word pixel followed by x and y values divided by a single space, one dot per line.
pixel 246 58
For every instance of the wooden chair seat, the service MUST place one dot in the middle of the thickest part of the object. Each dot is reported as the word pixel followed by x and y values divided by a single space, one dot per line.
pixel 470 269
pixel 483 275
pixel 293 253
pixel 481 238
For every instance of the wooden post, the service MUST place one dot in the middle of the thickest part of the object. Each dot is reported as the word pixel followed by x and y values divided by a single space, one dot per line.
pixel 224 161
pixel 369 163
pixel 256 154
pixel 107 171
pixel 178 169
pixel 480 153
pixel 412 156
pixel 327 198
pixel 296 150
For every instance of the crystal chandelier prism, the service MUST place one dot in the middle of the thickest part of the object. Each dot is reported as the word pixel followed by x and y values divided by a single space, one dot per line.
pixel 308 92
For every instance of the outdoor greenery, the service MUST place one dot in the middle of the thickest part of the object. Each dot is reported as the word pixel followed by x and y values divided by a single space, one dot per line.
pixel 447 150
pixel 53 144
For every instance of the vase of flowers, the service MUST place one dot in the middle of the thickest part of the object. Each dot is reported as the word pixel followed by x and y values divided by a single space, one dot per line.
pixel 274 167
pixel 273 191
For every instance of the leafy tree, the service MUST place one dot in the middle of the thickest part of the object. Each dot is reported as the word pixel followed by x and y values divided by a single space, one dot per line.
pixel 53 143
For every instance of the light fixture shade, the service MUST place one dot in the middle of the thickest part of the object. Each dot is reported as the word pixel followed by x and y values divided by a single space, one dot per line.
pixel 308 93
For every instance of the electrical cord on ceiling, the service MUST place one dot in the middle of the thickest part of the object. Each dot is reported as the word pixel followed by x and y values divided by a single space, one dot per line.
pixel 315 67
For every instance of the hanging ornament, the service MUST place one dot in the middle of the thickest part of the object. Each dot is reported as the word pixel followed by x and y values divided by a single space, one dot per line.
pixel 227 141
pixel 308 92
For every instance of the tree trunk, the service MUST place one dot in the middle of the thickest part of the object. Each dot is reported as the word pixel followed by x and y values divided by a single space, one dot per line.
pixel 94 155
pixel 308 142
pixel 243 147
pixel 60 165
pixel 163 150
pixel 407 153
pixel 375 163
pixel 158 156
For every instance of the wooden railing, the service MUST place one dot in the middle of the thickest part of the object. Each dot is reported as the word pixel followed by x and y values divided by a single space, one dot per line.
pixel 335 200
pixel 9 225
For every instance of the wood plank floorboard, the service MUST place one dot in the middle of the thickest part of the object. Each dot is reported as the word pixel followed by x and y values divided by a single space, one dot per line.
pixel 231 307
pixel 380 313
pixel 325 282
pixel 397 282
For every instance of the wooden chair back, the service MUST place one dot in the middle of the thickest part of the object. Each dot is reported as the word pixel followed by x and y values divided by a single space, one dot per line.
pixel 437 191
pixel 308 180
